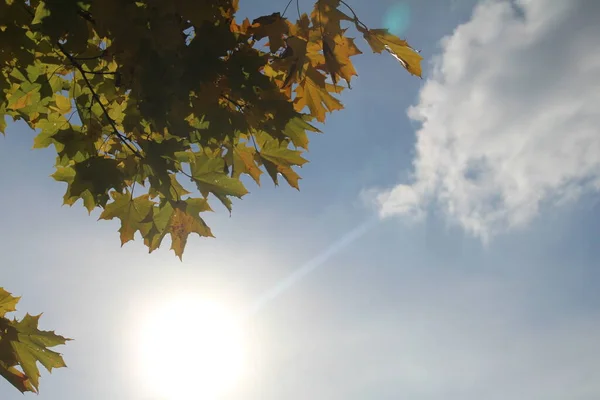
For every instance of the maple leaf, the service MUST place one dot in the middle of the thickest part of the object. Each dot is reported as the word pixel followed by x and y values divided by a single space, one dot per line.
pixel 97 175
pixel 381 39
pixel 131 212
pixel 312 93
pixel 166 90
pixel 63 104
pixel 184 222
pixel 337 52
pixel 278 159
pixel 243 162
pixel 178 219
pixel 8 303
pixel 326 16
pixel 272 26
pixel 31 346
pixel 23 345
pixel 292 60
pixel 16 378
pixel 296 129
pixel 209 175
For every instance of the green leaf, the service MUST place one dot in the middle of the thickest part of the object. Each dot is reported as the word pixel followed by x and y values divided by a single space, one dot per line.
pixel 296 131
pixel 41 12
pixel 8 302
pixel 98 175
pixel 280 159
pixel 122 108
pixel 210 177
pixel 32 346
pixel 131 212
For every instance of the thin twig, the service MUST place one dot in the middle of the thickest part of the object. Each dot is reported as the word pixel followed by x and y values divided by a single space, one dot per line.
pixel 91 57
pixel 286 7
pixel 254 143
pixel 239 107
pixel 98 72
pixel 354 14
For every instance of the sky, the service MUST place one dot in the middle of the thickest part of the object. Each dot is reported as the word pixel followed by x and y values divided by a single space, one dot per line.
pixel 444 244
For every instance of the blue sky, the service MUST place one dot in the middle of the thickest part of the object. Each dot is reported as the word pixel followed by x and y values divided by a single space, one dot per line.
pixel 479 279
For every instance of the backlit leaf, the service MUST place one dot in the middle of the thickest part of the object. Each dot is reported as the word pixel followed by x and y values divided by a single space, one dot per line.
pixel 8 302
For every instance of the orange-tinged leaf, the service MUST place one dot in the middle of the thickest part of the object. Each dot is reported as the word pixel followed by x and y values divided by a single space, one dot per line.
pixel 243 162
pixel 181 225
pixel 16 378
pixel 20 100
pixel 312 93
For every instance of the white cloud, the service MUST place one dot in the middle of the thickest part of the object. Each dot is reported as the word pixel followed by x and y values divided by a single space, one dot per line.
pixel 510 116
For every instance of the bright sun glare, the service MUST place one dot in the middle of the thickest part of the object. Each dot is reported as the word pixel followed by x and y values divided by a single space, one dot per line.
pixel 191 349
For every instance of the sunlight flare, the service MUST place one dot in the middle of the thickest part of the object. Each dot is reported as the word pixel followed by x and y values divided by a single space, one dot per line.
pixel 191 348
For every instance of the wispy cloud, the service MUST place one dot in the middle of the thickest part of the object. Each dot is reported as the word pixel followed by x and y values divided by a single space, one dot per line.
pixel 509 118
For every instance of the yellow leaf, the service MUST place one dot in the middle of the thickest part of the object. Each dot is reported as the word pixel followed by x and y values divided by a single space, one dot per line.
pixel 381 39
pixel 243 162
pixel 337 52
pixel 312 93
pixel 63 104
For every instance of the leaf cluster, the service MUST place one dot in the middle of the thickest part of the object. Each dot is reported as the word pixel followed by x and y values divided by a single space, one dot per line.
pixel 139 97
pixel 23 346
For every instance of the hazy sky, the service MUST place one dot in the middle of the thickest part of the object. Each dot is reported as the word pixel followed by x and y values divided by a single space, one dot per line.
pixel 475 277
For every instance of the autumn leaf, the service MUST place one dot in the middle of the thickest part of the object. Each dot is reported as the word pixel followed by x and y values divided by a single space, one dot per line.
pixel 243 162
pixel 296 129
pixel 280 160
pixel 16 378
pixel 8 302
pixel 178 219
pixel 272 26
pixel 63 104
pixel 210 177
pixel 23 345
pixel 312 93
pixel 31 346
pixel 186 220
pixel 337 52
pixel 130 113
pixel 131 212
pixel 381 39
pixel 327 16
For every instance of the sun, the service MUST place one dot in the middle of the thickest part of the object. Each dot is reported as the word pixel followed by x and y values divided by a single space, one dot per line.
pixel 190 348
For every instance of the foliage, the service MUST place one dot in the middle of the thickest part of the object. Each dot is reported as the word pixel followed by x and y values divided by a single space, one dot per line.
pixel 170 90
pixel 23 345
pixel 139 96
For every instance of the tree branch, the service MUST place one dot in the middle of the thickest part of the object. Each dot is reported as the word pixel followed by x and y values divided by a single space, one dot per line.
pixel 95 96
